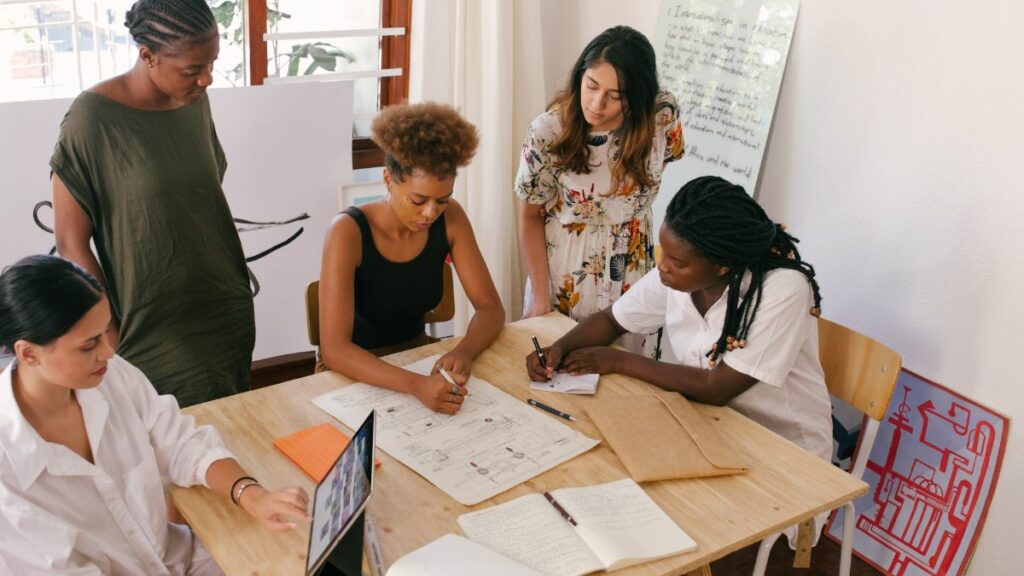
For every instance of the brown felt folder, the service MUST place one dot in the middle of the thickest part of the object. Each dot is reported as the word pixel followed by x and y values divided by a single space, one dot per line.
pixel 662 437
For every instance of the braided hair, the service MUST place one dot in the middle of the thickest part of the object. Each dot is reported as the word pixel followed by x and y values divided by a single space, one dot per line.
pixel 160 24
pixel 726 226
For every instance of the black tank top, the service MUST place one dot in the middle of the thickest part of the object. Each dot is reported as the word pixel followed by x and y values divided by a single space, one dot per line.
pixel 392 297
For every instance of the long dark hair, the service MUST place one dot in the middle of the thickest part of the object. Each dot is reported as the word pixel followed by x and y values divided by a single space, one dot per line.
pixel 726 226
pixel 632 56
pixel 160 24
pixel 42 297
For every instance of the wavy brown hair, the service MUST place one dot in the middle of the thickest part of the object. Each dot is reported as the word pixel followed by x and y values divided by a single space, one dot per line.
pixel 632 56
pixel 430 137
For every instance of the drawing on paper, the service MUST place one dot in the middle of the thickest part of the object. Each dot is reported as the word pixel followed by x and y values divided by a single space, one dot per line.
pixel 932 471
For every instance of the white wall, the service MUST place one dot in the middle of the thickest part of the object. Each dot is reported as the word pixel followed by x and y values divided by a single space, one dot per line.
pixel 898 128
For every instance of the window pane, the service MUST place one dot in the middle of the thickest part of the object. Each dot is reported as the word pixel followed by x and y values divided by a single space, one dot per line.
pixel 48 52
pixel 326 55
pixel 229 69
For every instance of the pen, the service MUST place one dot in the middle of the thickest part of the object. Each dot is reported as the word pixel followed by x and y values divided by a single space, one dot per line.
pixel 540 354
pixel 547 408
pixel 448 377
pixel 561 510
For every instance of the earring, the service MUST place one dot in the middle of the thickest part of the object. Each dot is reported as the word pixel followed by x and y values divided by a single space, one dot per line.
pixel 150 65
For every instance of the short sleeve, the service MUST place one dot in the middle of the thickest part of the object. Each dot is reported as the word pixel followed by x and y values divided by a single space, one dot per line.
pixel 641 309
pixel 184 451
pixel 667 120
pixel 781 325
pixel 536 182
pixel 218 151
pixel 71 161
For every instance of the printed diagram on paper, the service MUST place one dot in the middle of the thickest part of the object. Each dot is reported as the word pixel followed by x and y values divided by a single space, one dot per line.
pixel 494 443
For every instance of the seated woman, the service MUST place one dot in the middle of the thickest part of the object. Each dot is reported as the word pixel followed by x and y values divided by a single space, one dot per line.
pixel 383 263
pixel 85 440
pixel 738 309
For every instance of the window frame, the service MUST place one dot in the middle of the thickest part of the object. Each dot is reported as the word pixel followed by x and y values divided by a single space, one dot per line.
pixel 395 53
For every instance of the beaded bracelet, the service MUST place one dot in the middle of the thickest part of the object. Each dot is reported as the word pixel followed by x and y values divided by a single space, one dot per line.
pixel 236 495
pixel 241 489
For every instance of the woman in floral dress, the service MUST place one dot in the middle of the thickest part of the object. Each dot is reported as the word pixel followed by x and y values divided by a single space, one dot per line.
pixel 589 173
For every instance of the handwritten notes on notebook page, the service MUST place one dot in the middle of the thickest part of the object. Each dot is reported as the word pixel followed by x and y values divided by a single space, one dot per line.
pixel 492 444
pixel 566 383
pixel 617 525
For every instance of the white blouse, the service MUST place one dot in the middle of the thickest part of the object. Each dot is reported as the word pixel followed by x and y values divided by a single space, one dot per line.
pixel 63 515
pixel 790 397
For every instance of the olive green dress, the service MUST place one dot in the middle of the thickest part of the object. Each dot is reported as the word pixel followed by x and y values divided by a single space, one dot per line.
pixel 150 183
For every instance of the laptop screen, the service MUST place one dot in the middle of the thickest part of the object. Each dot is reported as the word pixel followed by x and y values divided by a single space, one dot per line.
pixel 341 495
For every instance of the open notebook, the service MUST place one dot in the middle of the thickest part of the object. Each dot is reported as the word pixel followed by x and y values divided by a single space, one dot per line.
pixel 568 384
pixel 452 555
pixel 617 525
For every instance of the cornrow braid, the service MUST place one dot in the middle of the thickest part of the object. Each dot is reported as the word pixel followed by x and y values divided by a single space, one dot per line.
pixel 725 225
pixel 160 24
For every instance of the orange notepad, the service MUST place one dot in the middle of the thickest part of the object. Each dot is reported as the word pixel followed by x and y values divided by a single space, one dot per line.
pixel 314 449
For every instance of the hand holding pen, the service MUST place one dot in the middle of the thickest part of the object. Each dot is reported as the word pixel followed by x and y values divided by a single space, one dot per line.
pixel 542 362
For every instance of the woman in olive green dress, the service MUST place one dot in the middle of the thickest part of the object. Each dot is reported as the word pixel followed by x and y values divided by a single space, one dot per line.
pixel 137 170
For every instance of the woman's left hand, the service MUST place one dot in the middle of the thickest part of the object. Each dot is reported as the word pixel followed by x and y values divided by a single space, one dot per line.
pixel 456 364
pixel 592 360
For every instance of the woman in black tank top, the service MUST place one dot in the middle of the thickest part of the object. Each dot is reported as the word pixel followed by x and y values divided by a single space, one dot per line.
pixel 383 263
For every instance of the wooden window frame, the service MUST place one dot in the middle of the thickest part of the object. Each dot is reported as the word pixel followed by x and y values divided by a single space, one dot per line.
pixel 394 54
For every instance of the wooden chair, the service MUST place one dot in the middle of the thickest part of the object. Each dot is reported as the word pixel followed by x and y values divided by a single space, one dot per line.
pixel 443 312
pixel 861 372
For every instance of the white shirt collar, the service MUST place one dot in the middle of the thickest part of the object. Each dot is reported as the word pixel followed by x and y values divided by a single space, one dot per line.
pixel 29 453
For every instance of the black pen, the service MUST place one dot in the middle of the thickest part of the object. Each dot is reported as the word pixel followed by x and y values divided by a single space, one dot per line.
pixel 561 510
pixel 540 354
pixel 547 408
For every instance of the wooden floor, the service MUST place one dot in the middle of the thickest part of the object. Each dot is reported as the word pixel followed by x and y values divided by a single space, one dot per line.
pixel 824 559
pixel 824 562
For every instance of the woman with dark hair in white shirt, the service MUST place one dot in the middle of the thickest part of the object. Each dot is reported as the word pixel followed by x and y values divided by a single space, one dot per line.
pixel 85 439
pixel 737 307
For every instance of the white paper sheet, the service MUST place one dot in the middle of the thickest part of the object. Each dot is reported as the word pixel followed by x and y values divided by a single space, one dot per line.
pixel 566 383
pixel 452 555
pixel 493 443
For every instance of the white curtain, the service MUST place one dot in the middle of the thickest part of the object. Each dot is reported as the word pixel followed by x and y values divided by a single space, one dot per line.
pixel 485 58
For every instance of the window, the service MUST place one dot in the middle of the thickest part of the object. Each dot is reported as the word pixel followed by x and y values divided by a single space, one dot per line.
pixel 359 39
pixel 57 48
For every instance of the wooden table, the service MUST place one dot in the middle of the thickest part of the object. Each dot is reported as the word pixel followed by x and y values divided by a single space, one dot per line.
pixel 784 486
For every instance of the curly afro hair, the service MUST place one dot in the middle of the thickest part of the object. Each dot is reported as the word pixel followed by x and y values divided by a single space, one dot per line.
pixel 430 137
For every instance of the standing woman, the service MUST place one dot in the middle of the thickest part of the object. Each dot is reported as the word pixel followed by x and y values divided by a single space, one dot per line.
pixel 138 170
pixel 590 170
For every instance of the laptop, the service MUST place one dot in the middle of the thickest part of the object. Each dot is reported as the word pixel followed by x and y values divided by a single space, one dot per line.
pixel 341 497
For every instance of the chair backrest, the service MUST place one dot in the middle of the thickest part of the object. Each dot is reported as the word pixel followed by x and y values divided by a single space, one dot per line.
pixel 443 312
pixel 858 370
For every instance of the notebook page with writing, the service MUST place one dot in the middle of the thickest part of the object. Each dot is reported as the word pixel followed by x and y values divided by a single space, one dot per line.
pixel 530 530
pixel 622 525
pixel 566 383
pixel 452 555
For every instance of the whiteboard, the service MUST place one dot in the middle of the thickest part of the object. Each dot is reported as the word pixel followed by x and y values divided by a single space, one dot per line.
pixel 724 61
pixel 289 148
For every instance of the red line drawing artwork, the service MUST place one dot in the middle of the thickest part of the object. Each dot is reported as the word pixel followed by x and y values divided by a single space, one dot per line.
pixel 933 470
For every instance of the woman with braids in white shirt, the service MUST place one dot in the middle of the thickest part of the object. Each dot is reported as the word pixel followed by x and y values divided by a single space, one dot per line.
pixel 85 440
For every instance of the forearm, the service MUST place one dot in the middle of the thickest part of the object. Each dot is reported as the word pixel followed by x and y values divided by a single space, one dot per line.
pixel 222 474
pixel 694 383
pixel 483 328
pixel 534 249
pixel 355 362
pixel 598 329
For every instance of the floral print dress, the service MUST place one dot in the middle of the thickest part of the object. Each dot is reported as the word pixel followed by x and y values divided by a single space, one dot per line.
pixel 599 242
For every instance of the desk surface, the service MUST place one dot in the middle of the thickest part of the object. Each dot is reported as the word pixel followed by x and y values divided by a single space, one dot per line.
pixel 785 484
